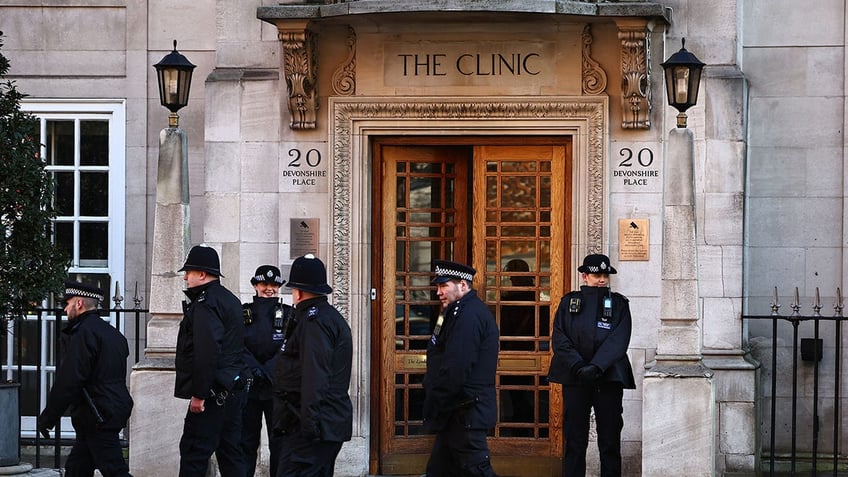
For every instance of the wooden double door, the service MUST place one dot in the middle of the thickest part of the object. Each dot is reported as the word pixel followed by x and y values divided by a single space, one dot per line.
pixel 505 208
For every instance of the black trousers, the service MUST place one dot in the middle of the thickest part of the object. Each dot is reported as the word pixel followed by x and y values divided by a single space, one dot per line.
pixel 96 449
pixel 460 452
pixel 578 401
pixel 215 430
pixel 301 457
pixel 254 410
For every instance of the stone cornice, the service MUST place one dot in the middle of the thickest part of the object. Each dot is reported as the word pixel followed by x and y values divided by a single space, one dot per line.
pixel 552 7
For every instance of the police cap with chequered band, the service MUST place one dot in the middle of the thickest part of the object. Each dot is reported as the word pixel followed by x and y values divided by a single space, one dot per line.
pixel 596 263
pixel 446 271
pixel 84 290
pixel 267 274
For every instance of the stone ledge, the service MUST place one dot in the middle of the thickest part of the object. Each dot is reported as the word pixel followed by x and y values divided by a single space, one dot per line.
pixel 552 7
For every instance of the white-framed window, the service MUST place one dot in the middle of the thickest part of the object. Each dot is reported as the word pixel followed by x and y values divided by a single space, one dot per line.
pixel 83 143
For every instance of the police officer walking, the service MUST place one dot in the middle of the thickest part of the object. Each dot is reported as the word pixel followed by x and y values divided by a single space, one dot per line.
pixel 590 339
pixel 91 382
pixel 312 407
pixel 209 361
pixel 459 402
pixel 266 323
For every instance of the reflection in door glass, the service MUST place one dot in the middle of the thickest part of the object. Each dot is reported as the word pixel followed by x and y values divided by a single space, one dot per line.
pixel 517 281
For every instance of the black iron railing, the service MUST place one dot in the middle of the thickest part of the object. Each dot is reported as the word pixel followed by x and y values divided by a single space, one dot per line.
pixel 810 350
pixel 40 328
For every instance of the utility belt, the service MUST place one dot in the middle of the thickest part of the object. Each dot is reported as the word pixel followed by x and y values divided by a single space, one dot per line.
pixel 220 395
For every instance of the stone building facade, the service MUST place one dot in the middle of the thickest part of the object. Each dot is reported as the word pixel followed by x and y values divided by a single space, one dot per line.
pixel 382 134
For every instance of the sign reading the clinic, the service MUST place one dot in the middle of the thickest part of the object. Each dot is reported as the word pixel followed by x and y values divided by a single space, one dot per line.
pixel 635 168
pixel 303 167
pixel 482 63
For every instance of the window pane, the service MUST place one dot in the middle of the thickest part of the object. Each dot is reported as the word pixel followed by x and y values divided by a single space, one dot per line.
pixel 94 143
pixel 65 236
pixel 94 188
pixel 63 193
pixel 518 192
pixel 60 143
pixel 94 244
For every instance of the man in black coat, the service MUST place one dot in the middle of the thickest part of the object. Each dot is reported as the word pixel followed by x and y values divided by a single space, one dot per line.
pixel 267 321
pixel 312 407
pixel 209 362
pixel 91 384
pixel 462 355
pixel 590 339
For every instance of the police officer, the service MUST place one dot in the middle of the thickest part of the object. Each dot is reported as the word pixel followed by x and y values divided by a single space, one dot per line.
pixel 312 407
pixel 209 361
pixel 462 355
pixel 590 339
pixel 266 323
pixel 91 383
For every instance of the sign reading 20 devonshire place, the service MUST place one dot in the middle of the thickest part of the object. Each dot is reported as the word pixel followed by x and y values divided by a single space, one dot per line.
pixel 303 167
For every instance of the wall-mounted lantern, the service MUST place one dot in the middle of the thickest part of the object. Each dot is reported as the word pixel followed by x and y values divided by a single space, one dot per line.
pixel 682 80
pixel 174 75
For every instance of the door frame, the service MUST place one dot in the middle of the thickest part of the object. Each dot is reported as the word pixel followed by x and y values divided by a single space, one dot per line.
pixel 354 121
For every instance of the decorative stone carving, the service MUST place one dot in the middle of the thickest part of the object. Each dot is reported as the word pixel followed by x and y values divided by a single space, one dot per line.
pixel 351 115
pixel 299 66
pixel 635 37
pixel 594 77
pixel 344 78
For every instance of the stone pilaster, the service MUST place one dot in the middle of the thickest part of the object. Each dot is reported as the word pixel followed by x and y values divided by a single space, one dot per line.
pixel 156 422
pixel 678 401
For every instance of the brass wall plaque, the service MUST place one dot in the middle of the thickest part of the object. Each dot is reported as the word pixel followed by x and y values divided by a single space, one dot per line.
pixel 633 239
pixel 304 236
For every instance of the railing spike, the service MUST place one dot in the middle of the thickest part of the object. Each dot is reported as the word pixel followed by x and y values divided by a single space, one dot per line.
pixel 118 298
pixel 796 304
pixel 136 298
pixel 775 305
pixel 817 303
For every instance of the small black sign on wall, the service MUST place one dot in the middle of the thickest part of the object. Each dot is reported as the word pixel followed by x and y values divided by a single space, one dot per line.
pixel 811 349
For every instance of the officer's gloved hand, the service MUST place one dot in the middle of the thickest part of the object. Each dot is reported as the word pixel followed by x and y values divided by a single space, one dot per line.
pixel 42 427
pixel 259 376
pixel 588 374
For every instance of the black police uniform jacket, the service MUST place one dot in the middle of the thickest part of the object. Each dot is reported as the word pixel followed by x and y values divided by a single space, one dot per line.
pixel 94 359
pixel 584 337
pixel 264 329
pixel 313 374
pixel 461 365
pixel 210 343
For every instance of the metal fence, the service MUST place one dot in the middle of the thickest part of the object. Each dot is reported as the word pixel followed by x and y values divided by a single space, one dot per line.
pixel 33 351
pixel 819 387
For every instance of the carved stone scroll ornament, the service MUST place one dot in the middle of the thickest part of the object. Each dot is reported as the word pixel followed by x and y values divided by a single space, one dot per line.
pixel 594 77
pixel 344 78
pixel 635 75
pixel 299 65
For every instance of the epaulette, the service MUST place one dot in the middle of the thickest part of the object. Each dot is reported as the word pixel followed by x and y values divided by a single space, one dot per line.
pixel 312 312
pixel 619 295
